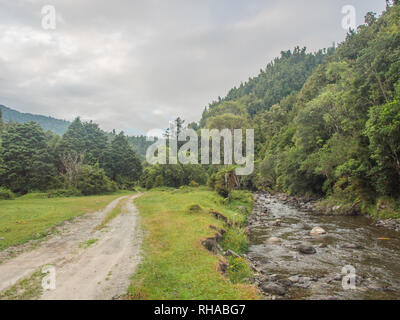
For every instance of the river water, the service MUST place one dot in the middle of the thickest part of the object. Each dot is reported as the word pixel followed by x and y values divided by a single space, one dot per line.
pixel 374 252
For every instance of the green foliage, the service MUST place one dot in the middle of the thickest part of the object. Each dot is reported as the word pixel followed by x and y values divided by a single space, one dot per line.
pixel 121 161
pixel 236 240
pixel 220 185
pixel 326 124
pixel 6 194
pixel 26 161
pixel 172 175
pixel 193 184
pixel 140 144
pixel 383 131
pixel 86 139
pixel 2 125
pixel 93 180
pixel 242 198
pixel 279 79
pixel 238 270
pixel 63 193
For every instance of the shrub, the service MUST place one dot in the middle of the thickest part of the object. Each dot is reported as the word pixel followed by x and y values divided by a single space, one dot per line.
pixel 193 184
pixel 242 196
pixel 220 185
pixel 6 194
pixel 60 193
pixel 238 270
pixel 211 181
pixel 236 240
pixel 174 176
pixel 93 180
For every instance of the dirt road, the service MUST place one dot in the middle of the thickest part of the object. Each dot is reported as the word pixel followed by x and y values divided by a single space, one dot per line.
pixel 89 263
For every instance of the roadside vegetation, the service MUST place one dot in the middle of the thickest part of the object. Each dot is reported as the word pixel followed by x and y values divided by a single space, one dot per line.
pixel 175 264
pixel 26 289
pixel 34 215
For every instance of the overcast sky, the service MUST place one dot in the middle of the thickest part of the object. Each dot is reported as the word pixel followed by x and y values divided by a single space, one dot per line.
pixel 134 65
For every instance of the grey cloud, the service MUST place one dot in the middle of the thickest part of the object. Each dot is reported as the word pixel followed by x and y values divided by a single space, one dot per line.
pixel 134 65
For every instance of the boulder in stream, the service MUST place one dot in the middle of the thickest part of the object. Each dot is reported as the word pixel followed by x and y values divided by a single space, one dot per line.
pixel 273 288
pixel 306 249
pixel 274 240
pixel 317 231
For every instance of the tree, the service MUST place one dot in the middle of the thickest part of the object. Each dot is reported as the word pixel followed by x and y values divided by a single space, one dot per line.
pixel 26 161
pixel 93 180
pixel 2 125
pixel 121 162
pixel 95 143
pixel 73 141
pixel 383 131
pixel 72 165
pixel 84 139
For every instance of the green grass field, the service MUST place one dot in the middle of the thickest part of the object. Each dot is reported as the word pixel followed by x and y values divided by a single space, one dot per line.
pixel 33 216
pixel 175 264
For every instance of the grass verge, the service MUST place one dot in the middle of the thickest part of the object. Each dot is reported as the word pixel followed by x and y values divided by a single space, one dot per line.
pixel 26 289
pixel 28 218
pixel 175 264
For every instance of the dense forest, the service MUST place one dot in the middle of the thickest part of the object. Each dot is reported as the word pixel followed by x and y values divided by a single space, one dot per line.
pixel 332 132
pixel 327 125
pixel 85 160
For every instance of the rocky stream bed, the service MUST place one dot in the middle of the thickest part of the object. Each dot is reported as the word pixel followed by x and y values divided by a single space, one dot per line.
pixel 299 254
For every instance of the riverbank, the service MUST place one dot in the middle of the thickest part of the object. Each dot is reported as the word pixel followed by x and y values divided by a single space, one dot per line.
pixel 186 233
pixel 383 214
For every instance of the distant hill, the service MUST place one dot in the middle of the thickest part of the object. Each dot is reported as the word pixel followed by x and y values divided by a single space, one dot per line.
pixel 47 123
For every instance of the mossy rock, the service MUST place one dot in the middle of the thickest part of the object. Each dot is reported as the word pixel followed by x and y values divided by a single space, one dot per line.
pixel 194 208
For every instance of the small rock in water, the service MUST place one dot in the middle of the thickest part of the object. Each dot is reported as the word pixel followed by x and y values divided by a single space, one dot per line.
pixel 322 245
pixel 334 277
pixel 276 223
pixel 317 231
pixel 274 240
pixel 306 249
pixel 273 288
pixel 294 279
pixel 351 246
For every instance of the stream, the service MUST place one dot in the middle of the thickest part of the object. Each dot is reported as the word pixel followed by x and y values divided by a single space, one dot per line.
pixel 278 229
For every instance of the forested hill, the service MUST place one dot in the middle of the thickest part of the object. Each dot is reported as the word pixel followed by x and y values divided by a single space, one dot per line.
pixel 326 124
pixel 282 77
pixel 47 123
